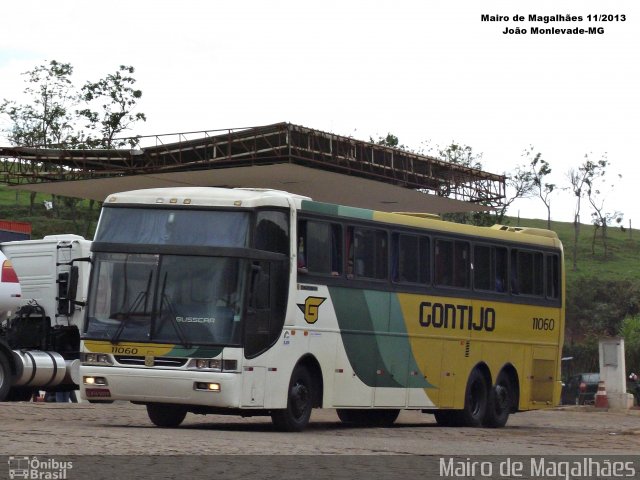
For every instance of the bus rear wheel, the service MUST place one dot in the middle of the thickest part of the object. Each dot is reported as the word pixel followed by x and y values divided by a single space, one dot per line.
pixel 164 415
pixel 475 400
pixel 499 404
pixel 368 418
pixel 300 398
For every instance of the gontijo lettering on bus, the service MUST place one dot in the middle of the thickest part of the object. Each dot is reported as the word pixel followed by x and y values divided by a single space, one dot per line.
pixel 462 317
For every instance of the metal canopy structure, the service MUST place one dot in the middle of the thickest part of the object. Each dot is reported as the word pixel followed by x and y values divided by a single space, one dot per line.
pixel 324 166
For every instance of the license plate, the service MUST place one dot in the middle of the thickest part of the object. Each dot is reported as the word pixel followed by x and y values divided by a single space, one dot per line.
pixel 97 393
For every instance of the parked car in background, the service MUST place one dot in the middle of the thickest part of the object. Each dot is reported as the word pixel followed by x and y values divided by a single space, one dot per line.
pixel 580 389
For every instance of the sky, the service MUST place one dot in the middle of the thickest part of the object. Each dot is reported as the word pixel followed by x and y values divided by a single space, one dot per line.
pixel 431 72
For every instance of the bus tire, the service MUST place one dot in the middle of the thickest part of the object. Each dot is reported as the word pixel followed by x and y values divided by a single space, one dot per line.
pixel 5 377
pixel 376 417
pixel 476 399
pixel 300 396
pixel 164 415
pixel 499 403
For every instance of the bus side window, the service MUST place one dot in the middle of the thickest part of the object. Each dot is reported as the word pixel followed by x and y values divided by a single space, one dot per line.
pixel 319 247
pixel 410 259
pixel 502 272
pixel 553 276
pixel 482 271
pixel 368 253
pixel 527 273
pixel 443 263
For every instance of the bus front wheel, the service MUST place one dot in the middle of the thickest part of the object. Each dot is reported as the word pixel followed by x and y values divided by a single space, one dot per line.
pixel 300 397
pixel 167 416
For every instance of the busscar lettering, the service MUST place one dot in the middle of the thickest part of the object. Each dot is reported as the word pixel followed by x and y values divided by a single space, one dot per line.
pixel 460 317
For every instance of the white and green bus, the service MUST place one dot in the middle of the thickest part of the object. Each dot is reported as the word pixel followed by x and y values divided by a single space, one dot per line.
pixel 261 302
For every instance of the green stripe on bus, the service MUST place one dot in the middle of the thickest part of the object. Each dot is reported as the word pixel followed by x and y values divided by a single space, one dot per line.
pixel 380 359
pixel 336 210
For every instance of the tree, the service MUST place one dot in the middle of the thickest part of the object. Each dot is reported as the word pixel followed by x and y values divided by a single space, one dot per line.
pixel 46 118
pixel 600 218
pixel 115 99
pixel 520 183
pixel 540 169
pixel 53 113
pixel 580 179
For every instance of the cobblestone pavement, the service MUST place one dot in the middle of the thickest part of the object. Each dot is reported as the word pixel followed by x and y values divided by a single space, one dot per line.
pixel 124 429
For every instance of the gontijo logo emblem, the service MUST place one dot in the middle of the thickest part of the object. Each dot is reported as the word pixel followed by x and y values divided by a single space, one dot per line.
pixel 311 308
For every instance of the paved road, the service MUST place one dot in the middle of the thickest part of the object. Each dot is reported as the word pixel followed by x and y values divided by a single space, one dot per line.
pixel 124 429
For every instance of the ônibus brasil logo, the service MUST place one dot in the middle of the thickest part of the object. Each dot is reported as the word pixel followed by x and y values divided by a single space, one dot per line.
pixel 37 468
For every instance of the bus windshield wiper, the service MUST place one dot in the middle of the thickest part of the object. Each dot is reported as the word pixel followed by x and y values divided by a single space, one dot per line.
pixel 126 316
pixel 165 300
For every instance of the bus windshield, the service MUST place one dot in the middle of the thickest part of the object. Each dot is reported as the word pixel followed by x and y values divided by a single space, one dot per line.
pixel 155 226
pixel 176 299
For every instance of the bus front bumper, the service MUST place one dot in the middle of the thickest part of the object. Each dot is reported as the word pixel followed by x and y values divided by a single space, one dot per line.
pixel 150 385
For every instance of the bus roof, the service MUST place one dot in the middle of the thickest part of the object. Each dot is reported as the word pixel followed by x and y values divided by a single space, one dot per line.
pixel 256 197
pixel 206 196
pixel 535 236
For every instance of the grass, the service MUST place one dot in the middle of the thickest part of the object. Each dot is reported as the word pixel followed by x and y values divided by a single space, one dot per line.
pixel 622 261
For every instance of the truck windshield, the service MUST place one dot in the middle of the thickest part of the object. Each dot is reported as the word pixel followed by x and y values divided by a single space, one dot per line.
pixel 166 298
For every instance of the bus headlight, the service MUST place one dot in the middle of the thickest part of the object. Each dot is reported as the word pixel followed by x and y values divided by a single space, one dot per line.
pixel 215 364
pixel 99 381
pixel 95 359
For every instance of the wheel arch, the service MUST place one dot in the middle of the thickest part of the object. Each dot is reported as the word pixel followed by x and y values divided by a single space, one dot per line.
pixel 484 369
pixel 310 362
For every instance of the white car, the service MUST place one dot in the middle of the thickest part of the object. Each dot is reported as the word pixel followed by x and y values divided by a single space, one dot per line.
pixel 10 291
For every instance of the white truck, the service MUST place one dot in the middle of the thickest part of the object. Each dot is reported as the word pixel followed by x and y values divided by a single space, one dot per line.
pixel 40 341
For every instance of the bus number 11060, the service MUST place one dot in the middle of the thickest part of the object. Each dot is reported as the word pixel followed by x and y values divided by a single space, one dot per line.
pixel 540 323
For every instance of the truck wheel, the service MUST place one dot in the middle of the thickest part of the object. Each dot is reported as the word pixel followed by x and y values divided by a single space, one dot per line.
pixel 300 397
pixel 164 415
pixel 5 377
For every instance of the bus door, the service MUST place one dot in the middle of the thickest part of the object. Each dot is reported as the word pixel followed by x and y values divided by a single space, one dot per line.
pixel 256 333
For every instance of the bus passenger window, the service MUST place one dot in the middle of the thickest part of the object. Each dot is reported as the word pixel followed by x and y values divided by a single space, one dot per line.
pixel 482 271
pixel 367 257
pixel 502 272
pixel 526 273
pixel 319 248
pixel 490 268
pixel 553 276
pixel 462 265
pixel 406 259
pixel 411 259
pixel 444 263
